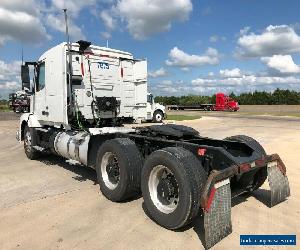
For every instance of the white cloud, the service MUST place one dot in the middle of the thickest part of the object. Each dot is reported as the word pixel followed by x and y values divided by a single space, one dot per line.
pixel 105 35
pixel 57 22
pixel 216 38
pixel 282 63
pixel 165 87
pixel 20 6
pixel 185 69
pixel 10 86
pixel 213 39
pixel 181 59
pixel 273 40
pixel 9 75
pixel 147 17
pixel 73 6
pixel 9 69
pixel 20 21
pixel 227 81
pixel 246 80
pixel 236 72
pixel 107 18
pixel 244 30
pixel 158 73
pixel 167 83
pixel 54 17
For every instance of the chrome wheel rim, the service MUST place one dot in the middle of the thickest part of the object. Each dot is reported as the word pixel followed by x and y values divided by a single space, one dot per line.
pixel 110 170
pixel 158 117
pixel 163 189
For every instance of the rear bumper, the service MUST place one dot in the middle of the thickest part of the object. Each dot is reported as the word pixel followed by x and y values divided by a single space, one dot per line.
pixel 219 176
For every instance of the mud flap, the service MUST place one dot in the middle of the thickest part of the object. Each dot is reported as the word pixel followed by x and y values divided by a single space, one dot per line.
pixel 217 216
pixel 279 184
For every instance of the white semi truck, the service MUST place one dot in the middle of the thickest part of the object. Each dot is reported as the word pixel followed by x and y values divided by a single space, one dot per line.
pixel 179 173
pixel 155 111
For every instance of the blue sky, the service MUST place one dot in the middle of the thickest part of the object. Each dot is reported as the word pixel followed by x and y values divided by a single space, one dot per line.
pixel 192 47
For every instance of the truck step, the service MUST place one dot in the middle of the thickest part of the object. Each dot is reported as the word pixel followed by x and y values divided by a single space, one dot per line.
pixel 217 217
pixel 279 185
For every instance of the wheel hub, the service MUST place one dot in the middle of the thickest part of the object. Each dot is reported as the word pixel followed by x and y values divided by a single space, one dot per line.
pixel 166 191
pixel 113 172
pixel 163 188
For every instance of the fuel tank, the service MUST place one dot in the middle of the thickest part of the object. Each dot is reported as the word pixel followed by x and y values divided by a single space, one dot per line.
pixel 72 145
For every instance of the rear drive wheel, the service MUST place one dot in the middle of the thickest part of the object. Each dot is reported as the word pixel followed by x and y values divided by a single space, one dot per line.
pixel 29 139
pixel 172 184
pixel 118 167
pixel 261 175
pixel 158 116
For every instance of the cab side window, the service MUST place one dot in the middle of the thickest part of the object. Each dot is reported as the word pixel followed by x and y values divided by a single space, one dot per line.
pixel 150 98
pixel 41 77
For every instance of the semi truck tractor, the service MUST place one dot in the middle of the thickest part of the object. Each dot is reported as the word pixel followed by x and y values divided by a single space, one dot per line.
pixel 223 103
pixel 155 111
pixel 180 173
pixel 19 101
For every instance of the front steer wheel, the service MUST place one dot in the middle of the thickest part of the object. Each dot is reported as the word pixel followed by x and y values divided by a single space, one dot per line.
pixel 158 116
pixel 172 184
pixel 29 141
pixel 118 167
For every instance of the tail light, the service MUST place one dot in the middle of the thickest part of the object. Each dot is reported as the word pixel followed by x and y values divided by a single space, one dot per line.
pixel 201 151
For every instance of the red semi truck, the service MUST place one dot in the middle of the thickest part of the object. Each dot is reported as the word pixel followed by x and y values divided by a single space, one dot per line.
pixel 223 103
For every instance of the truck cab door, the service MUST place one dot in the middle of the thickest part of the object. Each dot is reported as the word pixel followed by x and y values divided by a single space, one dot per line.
pixel 150 106
pixel 40 108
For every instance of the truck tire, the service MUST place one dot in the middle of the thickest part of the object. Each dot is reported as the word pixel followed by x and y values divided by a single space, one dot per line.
pixel 164 173
pixel 118 167
pixel 29 139
pixel 261 175
pixel 158 116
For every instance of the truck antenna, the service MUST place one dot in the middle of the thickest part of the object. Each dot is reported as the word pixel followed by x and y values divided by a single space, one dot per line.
pixel 22 56
pixel 70 56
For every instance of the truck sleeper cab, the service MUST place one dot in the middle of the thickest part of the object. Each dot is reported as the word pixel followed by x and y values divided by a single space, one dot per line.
pixel 106 85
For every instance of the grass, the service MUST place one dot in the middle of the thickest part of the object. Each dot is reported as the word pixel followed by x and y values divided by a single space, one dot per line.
pixel 4 108
pixel 182 117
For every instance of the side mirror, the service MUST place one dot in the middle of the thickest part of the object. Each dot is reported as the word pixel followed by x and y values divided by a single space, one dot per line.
pixel 25 77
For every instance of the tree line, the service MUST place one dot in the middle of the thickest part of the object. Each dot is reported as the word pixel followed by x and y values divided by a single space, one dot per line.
pixel 278 97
